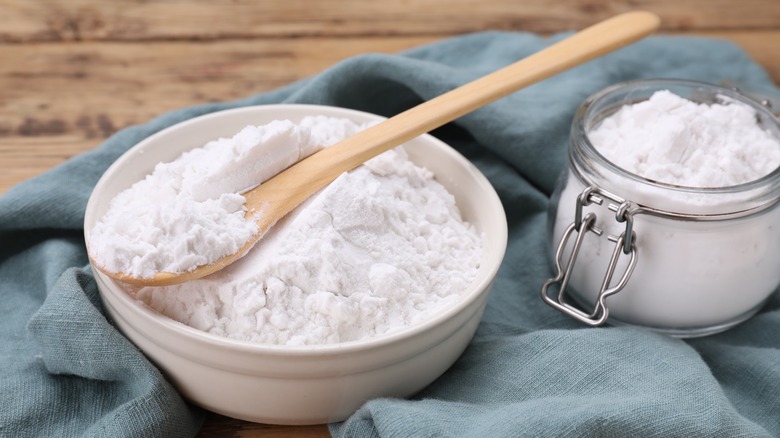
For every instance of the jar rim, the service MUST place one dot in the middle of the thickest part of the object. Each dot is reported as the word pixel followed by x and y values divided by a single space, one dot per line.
pixel 657 84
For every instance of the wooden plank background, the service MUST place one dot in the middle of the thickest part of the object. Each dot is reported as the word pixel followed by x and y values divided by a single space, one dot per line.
pixel 72 72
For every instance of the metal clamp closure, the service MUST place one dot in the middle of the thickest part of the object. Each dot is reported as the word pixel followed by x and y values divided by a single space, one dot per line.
pixel 625 244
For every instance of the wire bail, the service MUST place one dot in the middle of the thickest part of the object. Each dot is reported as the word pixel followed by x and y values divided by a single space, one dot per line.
pixel 625 244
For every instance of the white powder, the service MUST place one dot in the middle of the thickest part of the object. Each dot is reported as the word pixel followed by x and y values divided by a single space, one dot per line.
pixel 676 141
pixel 381 248
pixel 189 212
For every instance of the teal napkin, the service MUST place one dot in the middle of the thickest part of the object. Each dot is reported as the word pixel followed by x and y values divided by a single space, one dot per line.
pixel 529 371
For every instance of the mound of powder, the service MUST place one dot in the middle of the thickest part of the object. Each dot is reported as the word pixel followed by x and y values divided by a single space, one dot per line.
pixel 381 248
pixel 189 212
pixel 676 141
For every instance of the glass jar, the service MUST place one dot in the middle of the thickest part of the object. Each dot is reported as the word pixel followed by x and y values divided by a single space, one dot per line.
pixel 685 261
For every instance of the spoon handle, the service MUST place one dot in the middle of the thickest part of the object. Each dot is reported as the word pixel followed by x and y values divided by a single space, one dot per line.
pixel 292 186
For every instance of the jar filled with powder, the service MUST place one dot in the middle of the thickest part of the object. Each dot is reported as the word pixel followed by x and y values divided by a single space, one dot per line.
pixel 666 216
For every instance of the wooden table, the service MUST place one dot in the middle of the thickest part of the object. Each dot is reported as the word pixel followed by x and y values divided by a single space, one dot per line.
pixel 72 72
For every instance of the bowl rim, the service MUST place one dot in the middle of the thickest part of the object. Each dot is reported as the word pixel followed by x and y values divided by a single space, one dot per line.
pixel 486 274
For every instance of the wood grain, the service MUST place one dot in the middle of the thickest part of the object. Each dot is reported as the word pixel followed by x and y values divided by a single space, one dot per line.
pixel 59 99
pixel 223 427
pixel 81 20
pixel 72 72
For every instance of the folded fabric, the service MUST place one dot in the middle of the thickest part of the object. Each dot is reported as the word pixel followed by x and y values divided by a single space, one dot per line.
pixel 530 371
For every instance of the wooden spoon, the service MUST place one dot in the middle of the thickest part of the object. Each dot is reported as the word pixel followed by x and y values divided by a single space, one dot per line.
pixel 276 197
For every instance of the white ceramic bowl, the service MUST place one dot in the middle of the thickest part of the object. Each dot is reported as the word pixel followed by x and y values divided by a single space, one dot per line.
pixel 306 384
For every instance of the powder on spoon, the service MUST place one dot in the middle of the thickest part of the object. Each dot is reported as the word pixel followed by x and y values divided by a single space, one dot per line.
pixel 189 212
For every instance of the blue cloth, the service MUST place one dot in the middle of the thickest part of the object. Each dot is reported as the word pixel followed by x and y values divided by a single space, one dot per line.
pixel 529 371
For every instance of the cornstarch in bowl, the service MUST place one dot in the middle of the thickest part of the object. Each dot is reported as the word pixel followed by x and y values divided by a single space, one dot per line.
pixel 381 248
pixel 372 288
